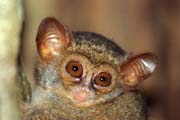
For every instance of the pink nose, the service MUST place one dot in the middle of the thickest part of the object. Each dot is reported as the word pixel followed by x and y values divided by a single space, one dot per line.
pixel 81 95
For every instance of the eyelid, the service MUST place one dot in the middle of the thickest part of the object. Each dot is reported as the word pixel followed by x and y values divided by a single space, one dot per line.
pixel 106 68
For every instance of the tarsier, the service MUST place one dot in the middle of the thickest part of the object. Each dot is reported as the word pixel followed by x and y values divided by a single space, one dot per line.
pixel 85 76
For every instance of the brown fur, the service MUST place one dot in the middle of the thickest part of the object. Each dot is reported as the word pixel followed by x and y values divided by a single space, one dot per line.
pixel 50 98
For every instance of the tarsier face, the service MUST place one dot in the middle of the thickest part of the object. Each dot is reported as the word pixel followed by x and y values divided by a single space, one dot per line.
pixel 86 82
pixel 92 69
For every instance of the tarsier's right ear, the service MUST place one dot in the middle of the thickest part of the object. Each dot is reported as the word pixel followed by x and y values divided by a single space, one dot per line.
pixel 52 39
pixel 137 69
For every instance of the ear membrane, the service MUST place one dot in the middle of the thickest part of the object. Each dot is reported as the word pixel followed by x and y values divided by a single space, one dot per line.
pixel 52 39
pixel 137 69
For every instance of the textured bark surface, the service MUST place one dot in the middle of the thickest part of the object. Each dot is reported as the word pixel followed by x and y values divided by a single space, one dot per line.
pixel 10 26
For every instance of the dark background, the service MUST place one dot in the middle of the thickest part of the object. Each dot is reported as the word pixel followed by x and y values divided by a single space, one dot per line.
pixel 136 25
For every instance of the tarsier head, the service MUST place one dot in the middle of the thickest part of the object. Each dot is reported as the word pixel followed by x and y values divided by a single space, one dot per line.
pixel 91 69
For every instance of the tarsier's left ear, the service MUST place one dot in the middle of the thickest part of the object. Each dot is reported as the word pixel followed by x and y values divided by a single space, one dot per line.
pixel 137 69
pixel 52 39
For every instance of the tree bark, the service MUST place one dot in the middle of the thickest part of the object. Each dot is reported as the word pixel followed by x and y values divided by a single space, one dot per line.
pixel 10 26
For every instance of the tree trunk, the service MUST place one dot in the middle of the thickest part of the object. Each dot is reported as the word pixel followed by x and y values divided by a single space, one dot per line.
pixel 10 26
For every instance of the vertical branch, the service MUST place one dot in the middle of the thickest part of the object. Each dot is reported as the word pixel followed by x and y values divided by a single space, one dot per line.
pixel 10 26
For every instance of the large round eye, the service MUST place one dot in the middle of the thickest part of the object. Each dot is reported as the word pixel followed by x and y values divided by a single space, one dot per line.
pixel 103 79
pixel 75 69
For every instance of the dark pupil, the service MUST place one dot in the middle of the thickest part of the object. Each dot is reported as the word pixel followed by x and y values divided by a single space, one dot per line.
pixel 75 68
pixel 102 78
